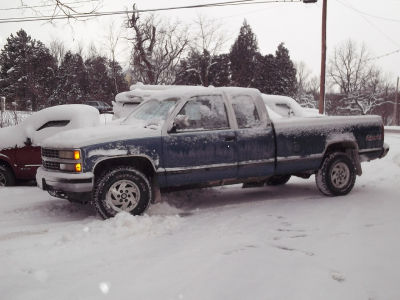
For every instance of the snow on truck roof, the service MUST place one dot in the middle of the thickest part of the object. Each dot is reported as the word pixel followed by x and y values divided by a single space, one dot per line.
pixel 164 91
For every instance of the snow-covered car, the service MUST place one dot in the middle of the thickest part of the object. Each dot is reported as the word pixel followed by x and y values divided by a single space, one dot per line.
pixel 20 152
pixel 287 107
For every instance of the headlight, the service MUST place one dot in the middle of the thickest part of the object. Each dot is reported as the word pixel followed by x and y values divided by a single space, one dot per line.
pixel 71 167
pixel 70 154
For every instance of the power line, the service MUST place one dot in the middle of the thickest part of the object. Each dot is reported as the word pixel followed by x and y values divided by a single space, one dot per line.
pixel 371 24
pixel 370 15
pixel 45 5
pixel 109 13
pixel 383 55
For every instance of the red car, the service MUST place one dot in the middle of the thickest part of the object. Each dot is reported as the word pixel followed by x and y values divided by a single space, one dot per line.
pixel 20 152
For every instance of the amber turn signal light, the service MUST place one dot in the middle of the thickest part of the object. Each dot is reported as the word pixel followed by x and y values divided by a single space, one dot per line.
pixel 77 155
pixel 78 167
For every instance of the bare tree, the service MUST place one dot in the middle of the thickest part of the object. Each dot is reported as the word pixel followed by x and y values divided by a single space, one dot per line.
pixel 58 50
pixel 360 82
pixel 349 67
pixel 209 39
pixel 112 39
pixel 69 8
pixel 157 48
pixel 306 94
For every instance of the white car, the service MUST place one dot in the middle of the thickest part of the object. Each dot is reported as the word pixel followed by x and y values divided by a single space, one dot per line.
pixel 287 107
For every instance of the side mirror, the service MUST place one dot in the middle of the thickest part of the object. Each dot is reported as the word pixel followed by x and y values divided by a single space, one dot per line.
pixel 180 122
pixel 28 142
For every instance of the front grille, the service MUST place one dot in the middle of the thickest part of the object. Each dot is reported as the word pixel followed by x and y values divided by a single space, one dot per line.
pixel 49 153
pixel 51 165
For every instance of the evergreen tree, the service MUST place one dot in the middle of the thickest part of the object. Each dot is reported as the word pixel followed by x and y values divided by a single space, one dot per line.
pixel 265 73
pixel 72 81
pixel 27 71
pixel 220 70
pixel 100 84
pixel 243 57
pixel 285 73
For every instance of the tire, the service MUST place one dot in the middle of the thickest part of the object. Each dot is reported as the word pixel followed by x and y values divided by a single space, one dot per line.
pixel 278 180
pixel 121 189
pixel 6 176
pixel 337 175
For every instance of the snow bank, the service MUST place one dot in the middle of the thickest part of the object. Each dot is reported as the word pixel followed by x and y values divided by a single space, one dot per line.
pixel 122 227
pixel 287 242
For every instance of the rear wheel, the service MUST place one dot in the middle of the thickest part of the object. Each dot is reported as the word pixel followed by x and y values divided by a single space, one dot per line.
pixel 337 175
pixel 122 189
pixel 6 176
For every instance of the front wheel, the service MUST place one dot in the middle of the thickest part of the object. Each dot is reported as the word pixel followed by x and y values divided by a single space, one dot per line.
pixel 337 175
pixel 122 189
pixel 6 176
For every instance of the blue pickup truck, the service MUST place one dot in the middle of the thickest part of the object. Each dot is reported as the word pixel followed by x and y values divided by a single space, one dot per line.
pixel 187 137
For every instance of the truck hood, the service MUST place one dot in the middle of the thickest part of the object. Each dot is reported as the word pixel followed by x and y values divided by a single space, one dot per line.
pixel 101 134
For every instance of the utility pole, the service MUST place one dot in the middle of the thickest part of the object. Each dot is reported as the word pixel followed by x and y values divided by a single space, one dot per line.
pixel 323 60
pixel 396 119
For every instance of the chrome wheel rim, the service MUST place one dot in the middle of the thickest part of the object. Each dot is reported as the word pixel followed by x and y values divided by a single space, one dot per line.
pixel 123 195
pixel 340 175
pixel 2 179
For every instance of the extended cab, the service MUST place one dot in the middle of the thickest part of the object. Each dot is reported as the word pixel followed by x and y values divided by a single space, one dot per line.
pixel 194 136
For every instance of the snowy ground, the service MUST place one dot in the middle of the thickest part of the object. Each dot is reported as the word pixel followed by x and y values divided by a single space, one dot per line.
pixel 224 243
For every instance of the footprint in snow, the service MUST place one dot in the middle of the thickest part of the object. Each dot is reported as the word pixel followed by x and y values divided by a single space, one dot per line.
pixel 337 276
pixel 308 253
pixel 246 247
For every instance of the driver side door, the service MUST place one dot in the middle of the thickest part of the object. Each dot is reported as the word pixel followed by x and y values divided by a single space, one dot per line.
pixel 203 149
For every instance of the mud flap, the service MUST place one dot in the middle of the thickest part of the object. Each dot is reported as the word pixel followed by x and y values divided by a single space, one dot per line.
pixel 155 190
pixel 356 158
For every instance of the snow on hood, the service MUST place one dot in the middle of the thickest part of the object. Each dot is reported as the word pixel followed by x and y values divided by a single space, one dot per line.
pixel 88 136
pixel 78 115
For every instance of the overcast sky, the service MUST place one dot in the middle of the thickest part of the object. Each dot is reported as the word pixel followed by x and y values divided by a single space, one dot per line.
pixel 374 23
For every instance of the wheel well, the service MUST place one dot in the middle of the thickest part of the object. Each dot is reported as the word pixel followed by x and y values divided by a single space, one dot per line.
pixel 340 147
pixel 6 164
pixel 348 147
pixel 140 163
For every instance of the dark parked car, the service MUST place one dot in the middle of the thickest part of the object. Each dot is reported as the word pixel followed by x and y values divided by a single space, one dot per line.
pixel 196 137
pixel 20 152
pixel 101 106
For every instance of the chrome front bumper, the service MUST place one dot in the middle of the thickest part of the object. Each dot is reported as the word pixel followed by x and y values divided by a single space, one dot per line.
pixel 64 182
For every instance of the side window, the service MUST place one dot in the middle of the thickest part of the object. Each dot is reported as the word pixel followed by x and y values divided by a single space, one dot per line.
pixel 245 111
pixel 204 113
pixel 61 123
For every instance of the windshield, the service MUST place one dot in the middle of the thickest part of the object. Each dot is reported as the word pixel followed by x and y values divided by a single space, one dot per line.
pixel 152 111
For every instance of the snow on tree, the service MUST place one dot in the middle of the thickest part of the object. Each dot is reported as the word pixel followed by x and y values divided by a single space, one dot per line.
pixel 243 57
pixel 27 71
pixel 359 81
pixel 204 69
pixel 72 81
pixel 100 85
pixel 285 72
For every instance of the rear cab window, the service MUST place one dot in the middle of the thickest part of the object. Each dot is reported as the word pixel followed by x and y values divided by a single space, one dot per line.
pixel 246 112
